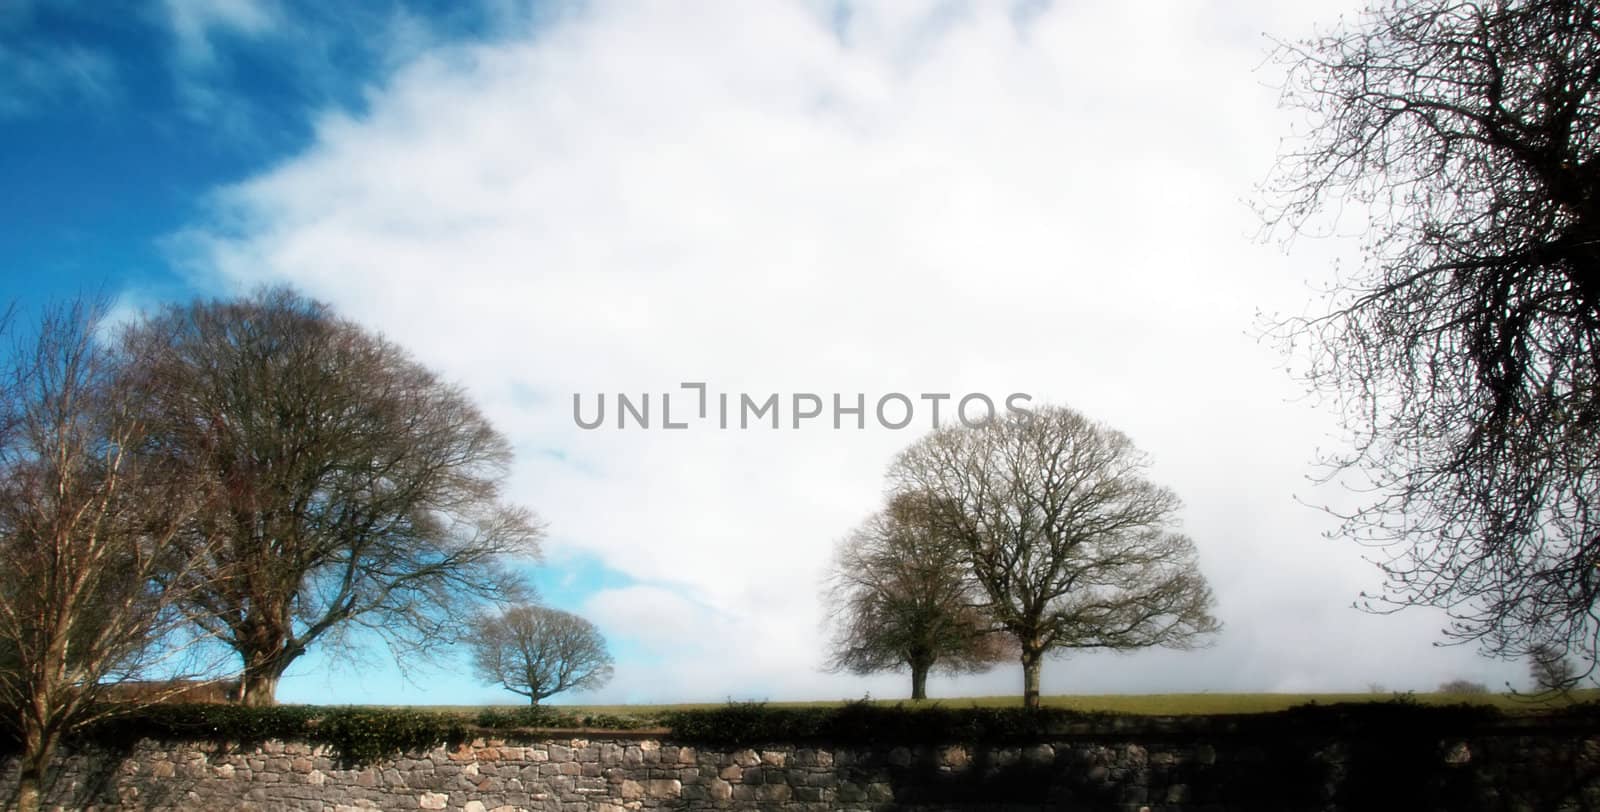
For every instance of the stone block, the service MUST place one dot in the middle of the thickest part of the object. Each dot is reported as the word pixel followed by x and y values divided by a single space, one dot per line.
pixel 630 790
pixel 955 757
pixel 663 788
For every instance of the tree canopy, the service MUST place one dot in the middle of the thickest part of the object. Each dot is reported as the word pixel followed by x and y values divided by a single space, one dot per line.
pixel 351 487
pixel 1465 351
pixel 1072 546
pixel 901 596
pixel 539 652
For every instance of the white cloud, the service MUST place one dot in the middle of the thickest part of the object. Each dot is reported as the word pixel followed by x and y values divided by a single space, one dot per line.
pixel 194 24
pixel 637 196
pixel 67 73
pixel 661 619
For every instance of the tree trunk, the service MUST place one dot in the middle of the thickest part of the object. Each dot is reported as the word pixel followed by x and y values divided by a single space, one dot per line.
pixel 1030 678
pixel 258 685
pixel 37 747
pixel 258 690
pixel 28 784
pixel 919 680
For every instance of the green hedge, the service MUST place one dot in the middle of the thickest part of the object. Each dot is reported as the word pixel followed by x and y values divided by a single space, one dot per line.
pixel 867 723
pixel 206 723
pixel 543 716
pixel 357 735
pixel 364 735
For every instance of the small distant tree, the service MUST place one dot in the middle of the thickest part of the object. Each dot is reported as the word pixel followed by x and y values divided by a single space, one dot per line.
pixel 1461 687
pixel 539 652
pixel 1552 670
pixel 900 596
pixel 1073 547
pixel 93 578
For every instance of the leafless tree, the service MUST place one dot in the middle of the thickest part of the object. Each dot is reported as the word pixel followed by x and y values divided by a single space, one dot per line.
pixel 89 537
pixel 358 491
pixel 539 652
pixel 1465 351
pixel 900 595
pixel 1463 687
pixel 1552 672
pixel 1072 546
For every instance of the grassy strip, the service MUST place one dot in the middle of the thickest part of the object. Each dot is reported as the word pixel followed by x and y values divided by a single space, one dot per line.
pixel 1202 704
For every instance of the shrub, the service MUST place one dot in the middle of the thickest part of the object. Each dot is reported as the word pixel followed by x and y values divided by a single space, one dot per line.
pixel 541 716
pixel 866 723
pixel 1461 687
pixel 357 735
pixel 1403 713
pixel 205 722
pixel 363 736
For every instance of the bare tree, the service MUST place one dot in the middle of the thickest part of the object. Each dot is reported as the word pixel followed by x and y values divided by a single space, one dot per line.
pixel 900 595
pixel 1552 671
pixel 1463 687
pixel 1465 352
pixel 1072 546
pixel 358 491
pixel 539 652
pixel 89 537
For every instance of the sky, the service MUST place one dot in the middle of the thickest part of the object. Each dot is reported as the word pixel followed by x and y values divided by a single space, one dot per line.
pixel 552 201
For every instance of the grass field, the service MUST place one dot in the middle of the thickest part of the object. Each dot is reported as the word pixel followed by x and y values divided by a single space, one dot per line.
pixel 1142 704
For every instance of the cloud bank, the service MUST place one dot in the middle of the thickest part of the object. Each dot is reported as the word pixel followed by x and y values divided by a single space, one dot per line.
pixel 791 197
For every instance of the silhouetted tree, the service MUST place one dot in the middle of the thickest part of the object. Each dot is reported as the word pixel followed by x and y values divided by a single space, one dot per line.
pixel 900 595
pixel 355 489
pixel 1552 671
pixel 539 652
pixel 1072 546
pixel 1465 351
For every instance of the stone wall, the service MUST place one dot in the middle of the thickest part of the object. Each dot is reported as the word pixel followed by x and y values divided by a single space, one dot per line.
pixel 1504 768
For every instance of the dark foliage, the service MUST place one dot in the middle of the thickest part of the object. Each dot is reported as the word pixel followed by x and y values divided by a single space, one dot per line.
pixel 358 735
pixel 867 723
pixel 364 735
pixel 544 716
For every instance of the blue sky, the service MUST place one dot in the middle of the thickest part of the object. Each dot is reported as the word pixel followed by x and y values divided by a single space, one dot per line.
pixel 115 130
pixel 116 127
pixel 543 200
